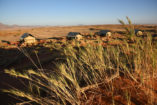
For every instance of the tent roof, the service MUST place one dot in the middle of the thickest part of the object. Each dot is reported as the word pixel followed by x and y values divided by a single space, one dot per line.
pixel 25 35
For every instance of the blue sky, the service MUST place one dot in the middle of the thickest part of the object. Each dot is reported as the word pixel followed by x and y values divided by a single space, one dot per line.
pixel 75 12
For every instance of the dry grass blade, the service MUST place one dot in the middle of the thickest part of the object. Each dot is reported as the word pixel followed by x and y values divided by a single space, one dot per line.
pixel 93 66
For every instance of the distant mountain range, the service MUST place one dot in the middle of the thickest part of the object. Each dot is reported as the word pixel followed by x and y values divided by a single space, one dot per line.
pixel 4 26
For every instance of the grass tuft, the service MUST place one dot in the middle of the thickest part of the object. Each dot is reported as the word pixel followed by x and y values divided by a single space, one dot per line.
pixel 89 68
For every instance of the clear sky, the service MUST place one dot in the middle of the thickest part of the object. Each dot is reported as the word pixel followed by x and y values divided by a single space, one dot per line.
pixel 75 12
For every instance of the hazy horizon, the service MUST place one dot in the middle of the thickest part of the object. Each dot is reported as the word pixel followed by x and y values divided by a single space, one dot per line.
pixel 80 12
pixel 68 25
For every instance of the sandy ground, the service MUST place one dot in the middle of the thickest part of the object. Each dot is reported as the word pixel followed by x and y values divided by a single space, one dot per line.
pixel 48 32
pixel 18 61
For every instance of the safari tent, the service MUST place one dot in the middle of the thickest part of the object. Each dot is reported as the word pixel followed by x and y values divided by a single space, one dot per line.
pixel 28 38
pixel 106 33
pixel 74 35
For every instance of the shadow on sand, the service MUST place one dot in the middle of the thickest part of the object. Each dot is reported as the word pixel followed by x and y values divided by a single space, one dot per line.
pixel 16 59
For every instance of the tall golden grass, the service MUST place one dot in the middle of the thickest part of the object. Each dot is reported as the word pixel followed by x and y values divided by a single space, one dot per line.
pixel 88 67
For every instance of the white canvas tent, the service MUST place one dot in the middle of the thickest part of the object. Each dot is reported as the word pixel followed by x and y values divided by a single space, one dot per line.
pixel 28 38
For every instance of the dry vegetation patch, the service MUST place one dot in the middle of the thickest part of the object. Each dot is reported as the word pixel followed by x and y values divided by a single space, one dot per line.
pixel 95 70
